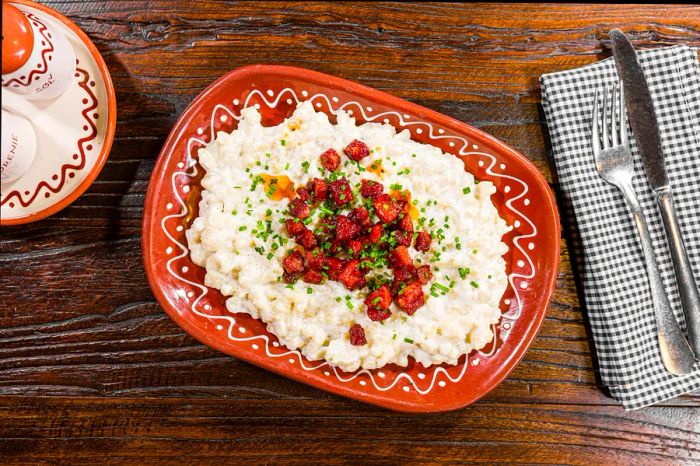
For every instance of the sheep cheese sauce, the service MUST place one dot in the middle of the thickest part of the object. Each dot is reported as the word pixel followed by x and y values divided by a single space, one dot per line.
pixel 353 243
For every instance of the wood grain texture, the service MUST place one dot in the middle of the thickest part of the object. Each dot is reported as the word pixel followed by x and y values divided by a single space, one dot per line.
pixel 91 369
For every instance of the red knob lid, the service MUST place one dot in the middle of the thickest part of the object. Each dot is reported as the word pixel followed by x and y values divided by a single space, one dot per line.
pixel 17 38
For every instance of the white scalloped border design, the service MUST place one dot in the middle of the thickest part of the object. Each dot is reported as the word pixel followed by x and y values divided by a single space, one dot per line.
pixel 189 169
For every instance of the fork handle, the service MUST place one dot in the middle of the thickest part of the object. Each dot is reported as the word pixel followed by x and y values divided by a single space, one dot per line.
pixel 687 289
pixel 676 354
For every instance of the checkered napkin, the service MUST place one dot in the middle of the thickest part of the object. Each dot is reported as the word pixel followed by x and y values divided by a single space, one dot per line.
pixel 617 297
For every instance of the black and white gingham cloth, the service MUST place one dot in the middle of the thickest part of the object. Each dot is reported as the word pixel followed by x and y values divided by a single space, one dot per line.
pixel 617 298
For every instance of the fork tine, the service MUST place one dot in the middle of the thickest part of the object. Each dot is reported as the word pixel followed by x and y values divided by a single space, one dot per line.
pixel 595 133
pixel 614 134
pixel 604 123
pixel 623 115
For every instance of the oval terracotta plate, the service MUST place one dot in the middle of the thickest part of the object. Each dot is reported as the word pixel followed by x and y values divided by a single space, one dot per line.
pixel 74 131
pixel 523 199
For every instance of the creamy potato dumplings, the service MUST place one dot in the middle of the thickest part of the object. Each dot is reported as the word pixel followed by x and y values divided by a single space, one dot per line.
pixel 353 243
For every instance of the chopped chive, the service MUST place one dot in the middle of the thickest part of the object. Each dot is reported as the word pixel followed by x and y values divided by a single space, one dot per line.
pixel 474 284
pixel 467 190
pixel 283 142
pixel 309 290
pixel 441 286
pixel 326 210
pixel 242 228
pixel 408 340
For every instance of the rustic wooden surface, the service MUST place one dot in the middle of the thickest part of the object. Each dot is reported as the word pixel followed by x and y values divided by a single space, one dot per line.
pixel 91 369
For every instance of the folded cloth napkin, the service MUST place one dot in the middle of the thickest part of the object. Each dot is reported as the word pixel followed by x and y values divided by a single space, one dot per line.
pixel 617 297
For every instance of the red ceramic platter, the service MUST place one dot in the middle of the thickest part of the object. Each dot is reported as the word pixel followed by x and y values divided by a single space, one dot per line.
pixel 523 199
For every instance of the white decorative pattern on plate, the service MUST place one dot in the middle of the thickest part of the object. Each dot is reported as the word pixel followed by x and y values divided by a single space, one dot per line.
pixel 188 169
pixel 76 162
pixel 40 32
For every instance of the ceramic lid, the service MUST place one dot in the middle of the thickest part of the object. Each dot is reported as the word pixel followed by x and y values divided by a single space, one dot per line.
pixel 17 39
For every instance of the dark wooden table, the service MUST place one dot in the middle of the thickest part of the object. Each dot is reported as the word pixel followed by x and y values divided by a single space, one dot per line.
pixel 91 369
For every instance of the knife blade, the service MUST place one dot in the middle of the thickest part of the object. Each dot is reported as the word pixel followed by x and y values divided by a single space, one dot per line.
pixel 640 110
pixel 644 125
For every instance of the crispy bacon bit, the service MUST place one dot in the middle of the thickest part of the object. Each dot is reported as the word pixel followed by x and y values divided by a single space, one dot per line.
pixel 355 246
pixel 401 258
pixel 403 237
pixel 313 276
pixel 336 246
pixel 316 260
pixel 375 232
pixel 364 239
pixel 385 208
pixel 378 314
pixel 341 192
pixel 350 275
pixel 423 274
pixel 356 150
pixel 293 263
pixel 327 225
pixel 379 298
pixel 303 194
pixel 294 227
pixel 360 215
pixel 378 303
pixel 423 241
pixel 357 335
pixel 335 266
pixel 299 208
pixel 405 223
pixel 371 188
pixel 320 189
pixel 290 278
pixel 307 239
pixel 403 274
pixel 410 298
pixel 345 228
pixel 330 160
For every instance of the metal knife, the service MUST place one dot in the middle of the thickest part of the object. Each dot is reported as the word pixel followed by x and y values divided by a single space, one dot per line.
pixel 642 119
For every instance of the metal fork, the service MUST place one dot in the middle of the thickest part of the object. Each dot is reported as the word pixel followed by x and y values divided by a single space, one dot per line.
pixel 614 163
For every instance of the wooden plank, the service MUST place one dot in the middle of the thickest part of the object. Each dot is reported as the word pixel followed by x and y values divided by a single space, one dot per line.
pixel 334 431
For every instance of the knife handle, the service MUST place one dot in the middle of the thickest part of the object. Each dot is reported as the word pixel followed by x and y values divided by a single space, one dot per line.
pixel 687 288
pixel 676 354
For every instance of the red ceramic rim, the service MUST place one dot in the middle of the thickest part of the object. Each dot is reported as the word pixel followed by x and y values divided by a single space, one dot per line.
pixel 111 121
pixel 466 390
